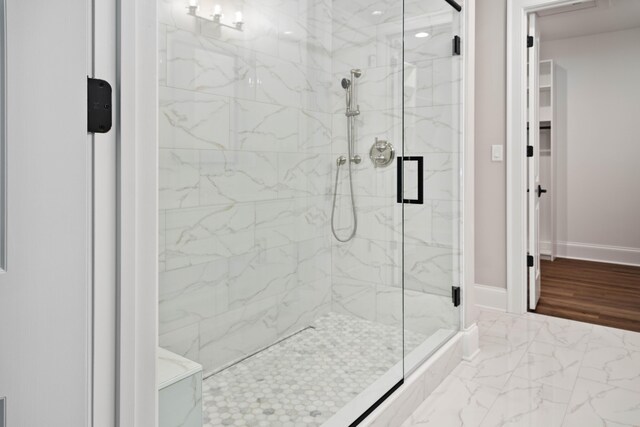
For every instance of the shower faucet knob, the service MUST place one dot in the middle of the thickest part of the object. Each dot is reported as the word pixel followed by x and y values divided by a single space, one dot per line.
pixel 382 153
pixel 381 145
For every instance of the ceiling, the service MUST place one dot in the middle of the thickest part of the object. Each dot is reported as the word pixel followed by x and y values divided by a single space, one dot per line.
pixel 589 17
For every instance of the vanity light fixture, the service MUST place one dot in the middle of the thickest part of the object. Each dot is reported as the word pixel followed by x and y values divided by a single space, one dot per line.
pixel 193 6
pixel 216 16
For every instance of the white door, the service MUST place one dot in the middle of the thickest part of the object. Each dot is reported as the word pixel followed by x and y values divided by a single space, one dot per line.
pixel 46 283
pixel 533 181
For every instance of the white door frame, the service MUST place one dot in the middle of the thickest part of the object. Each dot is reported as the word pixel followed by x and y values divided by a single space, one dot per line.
pixel 517 11
pixel 137 261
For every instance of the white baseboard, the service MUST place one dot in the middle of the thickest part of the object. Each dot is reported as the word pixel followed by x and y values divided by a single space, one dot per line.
pixel 599 253
pixel 470 342
pixel 490 297
pixel 545 247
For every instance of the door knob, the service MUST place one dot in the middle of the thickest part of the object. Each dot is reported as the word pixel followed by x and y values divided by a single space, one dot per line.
pixel 541 190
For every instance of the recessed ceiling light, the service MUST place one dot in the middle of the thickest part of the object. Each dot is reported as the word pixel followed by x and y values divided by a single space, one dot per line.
pixel 421 35
pixel 376 12
pixel 288 33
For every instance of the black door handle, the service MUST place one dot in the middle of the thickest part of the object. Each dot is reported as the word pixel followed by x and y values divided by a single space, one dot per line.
pixel 541 190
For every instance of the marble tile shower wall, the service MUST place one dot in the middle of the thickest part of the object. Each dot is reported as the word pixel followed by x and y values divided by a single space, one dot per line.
pixel 245 176
pixel 366 272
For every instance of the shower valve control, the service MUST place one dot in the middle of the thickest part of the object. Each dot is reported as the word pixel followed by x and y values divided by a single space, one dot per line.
pixel 382 153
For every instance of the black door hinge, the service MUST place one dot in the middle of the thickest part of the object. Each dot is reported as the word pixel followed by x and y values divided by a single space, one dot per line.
pixel 456 45
pixel 98 105
pixel 529 150
pixel 529 41
pixel 529 260
pixel 456 295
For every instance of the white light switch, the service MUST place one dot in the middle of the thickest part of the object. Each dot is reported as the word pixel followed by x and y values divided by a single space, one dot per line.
pixel 496 153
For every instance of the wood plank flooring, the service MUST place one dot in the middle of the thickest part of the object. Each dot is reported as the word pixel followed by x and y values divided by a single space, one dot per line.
pixel 594 292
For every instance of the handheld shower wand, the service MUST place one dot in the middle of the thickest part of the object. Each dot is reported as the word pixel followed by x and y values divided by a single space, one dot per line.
pixel 350 113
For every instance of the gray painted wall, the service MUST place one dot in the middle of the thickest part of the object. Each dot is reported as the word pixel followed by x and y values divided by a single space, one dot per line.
pixel 490 129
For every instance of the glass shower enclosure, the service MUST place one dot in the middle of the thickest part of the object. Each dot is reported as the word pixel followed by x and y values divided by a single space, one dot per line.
pixel 309 200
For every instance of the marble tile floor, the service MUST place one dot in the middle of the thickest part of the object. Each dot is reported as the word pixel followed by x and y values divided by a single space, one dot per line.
pixel 540 371
pixel 305 379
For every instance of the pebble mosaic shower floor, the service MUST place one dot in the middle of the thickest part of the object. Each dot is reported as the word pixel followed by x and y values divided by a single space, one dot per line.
pixel 305 379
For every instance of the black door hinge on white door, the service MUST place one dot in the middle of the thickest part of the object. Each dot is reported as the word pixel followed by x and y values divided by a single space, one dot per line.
pixel 456 295
pixel 529 260
pixel 529 41
pixel 456 45
pixel 99 106
pixel 529 150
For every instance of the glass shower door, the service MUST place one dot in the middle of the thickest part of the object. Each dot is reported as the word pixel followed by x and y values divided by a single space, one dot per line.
pixel 431 176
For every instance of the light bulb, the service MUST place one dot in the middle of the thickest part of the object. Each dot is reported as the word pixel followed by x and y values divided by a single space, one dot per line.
pixel 238 17
pixel 193 3
pixel 421 35
pixel 217 10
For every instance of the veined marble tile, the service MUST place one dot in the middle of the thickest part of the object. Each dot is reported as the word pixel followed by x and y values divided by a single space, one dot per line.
pixel 369 261
pixel 599 404
pixel 447 81
pixel 237 333
pixel 256 126
pixel 384 124
pixel 426 313
pixel 455 402
pixel 418 84
pixel 285 221
pixel 315 132
pixel 206 65
pixel 390 306
pixel 379 218
pixel 358 47
pixel 516 329
pixel 183 341
pixel 260 275
pixel 550 364
pixel 279 82
pixel 351 297
pixel 603 336
pixel 306 38
pixel 358 13
pixel 302 305
pixel 615 366
pixel 441 177
pixel 429 268
pixel 436 45
pixel 379 89
pixel 564 332
pixel 162 55
pixel 237 176
pixel 432 129
pixel 191 294
pixel 180 404
pixel 179 179
pixel 192 120
pixel 316 89
pixel 446 222
pixel 174 13
pixel 495 363
pixel 204 234
pixel 522 403
pixel 314 260
pixel 486 320
pixel 303 175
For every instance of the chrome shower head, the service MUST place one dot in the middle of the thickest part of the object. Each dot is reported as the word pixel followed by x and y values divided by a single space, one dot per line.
pixel 346 83
pixel 356 72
